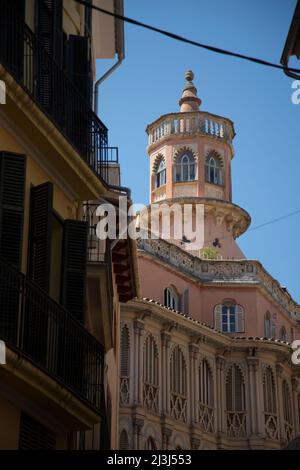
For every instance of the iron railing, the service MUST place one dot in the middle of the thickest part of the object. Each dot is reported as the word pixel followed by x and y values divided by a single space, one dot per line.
pixel 45 333
pixel 48 85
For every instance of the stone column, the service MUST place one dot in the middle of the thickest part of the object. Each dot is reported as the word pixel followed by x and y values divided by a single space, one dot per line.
pixel 279 370
pixel 138 371
pixel 296 410
pixel 194 383
pixel 195 443
pixel 221 396
pixel 252 390
pixel 165 383
pixel 137 424
pixel 166 434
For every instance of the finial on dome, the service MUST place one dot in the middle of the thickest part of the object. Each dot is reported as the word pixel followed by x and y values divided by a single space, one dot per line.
pixel 189 100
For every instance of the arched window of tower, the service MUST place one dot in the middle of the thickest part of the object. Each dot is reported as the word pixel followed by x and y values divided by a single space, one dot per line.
pixel 214 171
pixel 185 167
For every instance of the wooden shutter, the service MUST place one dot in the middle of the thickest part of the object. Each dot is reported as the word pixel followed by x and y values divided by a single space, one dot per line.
pixel 34 435
pixel 218 317
pixel 74 267
pixel 78 65
pixel 12 35
pixel 12 192
pixel 185 302
pixel 41 207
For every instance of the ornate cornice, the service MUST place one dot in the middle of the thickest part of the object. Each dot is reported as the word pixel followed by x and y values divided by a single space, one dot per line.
pixel 237 272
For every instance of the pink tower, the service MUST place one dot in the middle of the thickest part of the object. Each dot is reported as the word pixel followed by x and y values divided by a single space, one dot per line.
pixel 190 155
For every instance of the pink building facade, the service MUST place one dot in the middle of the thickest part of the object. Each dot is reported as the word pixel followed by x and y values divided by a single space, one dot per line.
pixel 205 353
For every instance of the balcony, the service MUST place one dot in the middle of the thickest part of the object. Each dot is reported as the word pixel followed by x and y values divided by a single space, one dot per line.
pixel 43 332
pixel 50 88
pixel 183 124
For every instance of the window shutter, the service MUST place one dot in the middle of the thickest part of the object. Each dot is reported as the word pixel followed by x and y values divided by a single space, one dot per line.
pixel 49 27
pixel 40 234
pixel 12 35
pixel 12 191
pixel 34 435
pixel 218 317
pixel 74 267
pixel 78 65
pixel 125 352
pixel 240 319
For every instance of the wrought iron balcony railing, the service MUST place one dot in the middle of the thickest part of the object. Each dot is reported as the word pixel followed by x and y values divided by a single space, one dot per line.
pixel 46 334
pixel 48 85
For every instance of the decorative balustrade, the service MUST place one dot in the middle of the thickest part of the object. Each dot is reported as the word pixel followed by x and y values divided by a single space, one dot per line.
pixel 150 397
pixel 236 424
pixel 271 425
pixel 40 329
pixel 206 417
pixel 191 123
pixel 124 391
pixel 178 407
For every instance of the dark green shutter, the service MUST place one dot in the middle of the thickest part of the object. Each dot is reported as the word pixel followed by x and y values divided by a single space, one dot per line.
pixel 74 267
pixel 79 65
pixel 41 207
pixel 12 191
pixel 50 40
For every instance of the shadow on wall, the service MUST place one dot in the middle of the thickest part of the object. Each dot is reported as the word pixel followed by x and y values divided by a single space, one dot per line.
pixel 294 444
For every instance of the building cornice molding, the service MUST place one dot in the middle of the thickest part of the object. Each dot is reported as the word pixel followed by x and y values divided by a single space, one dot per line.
pixel 229 272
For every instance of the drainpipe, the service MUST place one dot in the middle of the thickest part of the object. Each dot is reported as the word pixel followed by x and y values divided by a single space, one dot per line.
pixel 119 34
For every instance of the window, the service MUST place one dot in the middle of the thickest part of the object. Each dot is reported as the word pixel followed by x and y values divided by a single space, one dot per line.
pixel 185 168
pixel 235 389
pixel 287 403
pixel 160 177
pixel 213 169
pixel 34 435
pixel 229 318
pixel 171 298
pixel 150 374
pixel 268 325
pixel 283 334
pixel 150 444
pixel 178 385
pixel 206 389
pixel 269 391
pixel 124 443
pixel 125 352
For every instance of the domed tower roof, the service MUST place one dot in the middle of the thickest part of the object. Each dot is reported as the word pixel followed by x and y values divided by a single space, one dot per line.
pixel 189 100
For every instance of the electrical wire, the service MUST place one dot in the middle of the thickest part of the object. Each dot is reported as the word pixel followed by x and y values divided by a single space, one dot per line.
pixel 177 37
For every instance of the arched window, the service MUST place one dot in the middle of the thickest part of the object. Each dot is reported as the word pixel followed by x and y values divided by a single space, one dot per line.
pixel 270 407
pixel 160 177
pixel 268 325
pixel 171 298
pixel 178 385
pixel 287 403
pixel 206 397
pixel 229 318
pixel 124 443
pixel 235 389
pixel 185 167
pixel 283 334
pixel 125 352
pixel 150 374
pixel 150 444
pixel 269 392
pixel 206 388
pixel 213 169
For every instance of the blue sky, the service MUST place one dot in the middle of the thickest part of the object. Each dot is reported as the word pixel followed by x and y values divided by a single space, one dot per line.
pixel 266 167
